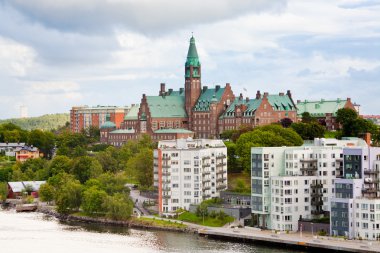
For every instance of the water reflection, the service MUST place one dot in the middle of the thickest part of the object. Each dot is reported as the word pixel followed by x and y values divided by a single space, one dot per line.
pixel 40 233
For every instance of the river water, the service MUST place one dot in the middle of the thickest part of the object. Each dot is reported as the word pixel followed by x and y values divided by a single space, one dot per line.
pixel 38 233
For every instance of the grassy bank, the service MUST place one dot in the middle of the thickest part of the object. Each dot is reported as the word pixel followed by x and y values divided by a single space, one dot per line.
pixel 207 221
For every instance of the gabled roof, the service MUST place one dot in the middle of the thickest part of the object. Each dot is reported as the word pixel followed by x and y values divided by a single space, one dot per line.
pixel 133 112
pixel 320 108
pixel 180 92
pixel 20 186
pixel 278 103
pixel 206 97
pixel 28 148
pixel 167 106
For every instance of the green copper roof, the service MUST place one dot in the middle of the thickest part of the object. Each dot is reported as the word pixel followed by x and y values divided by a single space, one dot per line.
pixel 278 103
pixel 180 92
pixel 167 106
pixel 192 55
pixel 206 98
pixel 108 124
pixel 173 131
pixel 320 108
pixel 132 114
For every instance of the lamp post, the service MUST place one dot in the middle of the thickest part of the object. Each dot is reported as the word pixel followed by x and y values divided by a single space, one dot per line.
pixel 301 231
pixel 312 229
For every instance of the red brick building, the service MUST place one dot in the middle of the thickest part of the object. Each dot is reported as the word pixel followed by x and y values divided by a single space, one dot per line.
pixel 197 111
pixel 82 117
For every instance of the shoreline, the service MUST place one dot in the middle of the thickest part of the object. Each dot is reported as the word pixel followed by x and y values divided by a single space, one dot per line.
pixel 107 222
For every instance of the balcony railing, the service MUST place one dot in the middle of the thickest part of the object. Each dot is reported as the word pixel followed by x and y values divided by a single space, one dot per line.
pixel 309 169
pixel 308 160
pixel 166 173
pixel 221 172
pixel 221 156
pixel 316 194
pixel 370 172
pixel 166 166
pixel 206 180
pixel 317 212
pixel 166 196
pixel 316 186
pixel 221 187
pixel 205 165
pixel 166 158
pixel 220 179
pixel 206 188
pixel 317 202
pixel 205 157
pixel 166 189
pixel 167 181
pixel 369 190
pixel 207 172
pixel 221 164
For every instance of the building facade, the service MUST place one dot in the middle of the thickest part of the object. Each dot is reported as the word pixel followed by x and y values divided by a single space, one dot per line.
pixel 26 152
pixel 82 117
pixel 325 110
pixel 355 208
pixel 293 183
pixel 188 171
pixel 205 111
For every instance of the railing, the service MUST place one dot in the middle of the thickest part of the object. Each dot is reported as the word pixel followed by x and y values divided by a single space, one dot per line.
pixel 206 195
pixel 221 156
pixel 220 179
pixel 221 164
pixel 206 188
pixel 206 172
pixel 206 180
pixel 166 158
pixel 167 181
pixel 205 165
pixel 221 186
pixel 310 160
pixel 317 212
pixel 317 203
pixel 309 168
pixel 369 190
pixel 166 189
pixel 166 166
pixel 370 172
pixel 166 196
pixel 205 157
pixel 316 186
pixel 166 173
pixel 316 194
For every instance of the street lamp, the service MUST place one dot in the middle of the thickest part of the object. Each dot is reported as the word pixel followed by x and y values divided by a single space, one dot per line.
pixel 312 229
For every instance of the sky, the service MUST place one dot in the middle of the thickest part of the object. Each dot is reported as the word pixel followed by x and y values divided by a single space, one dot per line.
pixel 64 53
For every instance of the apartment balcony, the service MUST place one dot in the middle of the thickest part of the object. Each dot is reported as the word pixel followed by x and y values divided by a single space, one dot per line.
pixel 309 169
pixel 166 181
pixel 166 173
pixel 221 156
pixel 166 158
pixel 165 166
pixel 206 180
pixel 370 172
pixel 205 165
pixel 308 160
pixel 221 179
pixel 369 190
pixel 221 164
pixel 166 189
pixel 206 188
pixel 166 196
pixel 205 157
pixel 205 173
pixel 316 194
pixel 155 164
pixel 317 202
pixel 221 187
pixel 221 172
pixel 316 186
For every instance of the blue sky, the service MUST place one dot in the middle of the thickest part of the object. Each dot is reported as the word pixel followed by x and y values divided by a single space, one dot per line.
pixel 58 54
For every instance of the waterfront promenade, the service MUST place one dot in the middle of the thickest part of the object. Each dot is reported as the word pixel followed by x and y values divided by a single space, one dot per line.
pixel 306 241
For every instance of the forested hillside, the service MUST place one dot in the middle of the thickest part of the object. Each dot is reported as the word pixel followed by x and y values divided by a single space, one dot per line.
pixel 45 122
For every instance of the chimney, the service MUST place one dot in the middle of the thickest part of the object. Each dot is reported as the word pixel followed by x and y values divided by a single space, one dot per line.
pixel 367 138
pixel 170 91
pixel 281 94
pixel 241 96
pixel 258 95
pixel 289 93
pixel 181 90
pixel 247 99
pixel 204 89
pixel 298 101
pixel 228 85
pixel 348 99
pixel 162 89
pixel 217 87
pixel 266 94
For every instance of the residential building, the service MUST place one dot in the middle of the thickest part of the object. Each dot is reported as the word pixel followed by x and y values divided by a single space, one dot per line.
pixel 26 152
pixel 292 183
pixel 188 171
pixel 355 208
pixel 82 117
pixel 325 110
pixel 374 118
pixel 8 149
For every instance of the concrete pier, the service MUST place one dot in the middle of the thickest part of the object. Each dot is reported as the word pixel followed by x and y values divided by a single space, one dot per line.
pixel 295 240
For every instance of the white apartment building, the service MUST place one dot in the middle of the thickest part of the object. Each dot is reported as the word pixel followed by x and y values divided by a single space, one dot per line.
pixel 188 171
pixel 289 183
pixel 355 208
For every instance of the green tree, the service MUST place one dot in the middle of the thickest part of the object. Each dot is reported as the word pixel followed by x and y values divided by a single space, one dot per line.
pixel 3 191
pixel 286 122
pixel 6 174
pixel 60 164
pixel 118 207
pixel 45 141
pixel 307 118
pixel 92 201
pixel 108 160
pixel 233 162
pixel 140 166
pixel 113 183
pixel 69 196
pixel 309 131
pixel 85 168
pixel 266 136
pixel 46 193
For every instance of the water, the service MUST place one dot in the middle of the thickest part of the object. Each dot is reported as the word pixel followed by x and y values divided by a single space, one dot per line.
pixel 37 233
